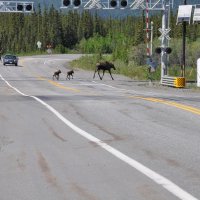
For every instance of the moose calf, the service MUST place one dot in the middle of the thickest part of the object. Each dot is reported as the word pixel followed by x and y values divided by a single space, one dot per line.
pixel 56 74
pixel 70 74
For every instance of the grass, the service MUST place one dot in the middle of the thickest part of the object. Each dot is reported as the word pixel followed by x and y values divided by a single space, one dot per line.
pixel 136 72
pixel 129 70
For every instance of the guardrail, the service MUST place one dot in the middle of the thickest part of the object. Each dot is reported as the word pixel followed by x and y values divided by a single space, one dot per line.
pixel 178 82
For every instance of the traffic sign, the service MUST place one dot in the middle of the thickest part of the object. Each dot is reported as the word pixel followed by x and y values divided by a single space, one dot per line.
pixel 39 44
pixel 164 33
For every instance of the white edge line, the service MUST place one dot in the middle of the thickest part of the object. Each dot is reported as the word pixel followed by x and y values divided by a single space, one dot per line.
pixel 110 86
pixel 164 182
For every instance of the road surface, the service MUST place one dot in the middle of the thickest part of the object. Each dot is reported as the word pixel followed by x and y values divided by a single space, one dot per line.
pixel 86 139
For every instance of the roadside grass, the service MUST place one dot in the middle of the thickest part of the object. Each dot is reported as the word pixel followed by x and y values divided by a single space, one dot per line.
pixel 33 53
pixel 87 62
pixel 190 72
pixel 135 72
pixel 58 50
pixel 130 70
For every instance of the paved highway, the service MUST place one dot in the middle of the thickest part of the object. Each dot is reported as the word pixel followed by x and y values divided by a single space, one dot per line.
pixel 86 139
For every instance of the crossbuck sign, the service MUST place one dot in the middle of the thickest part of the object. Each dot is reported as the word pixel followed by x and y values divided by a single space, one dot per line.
pixel 164 33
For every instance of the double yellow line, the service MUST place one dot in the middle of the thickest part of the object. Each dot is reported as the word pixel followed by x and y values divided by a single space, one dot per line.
pixel 170 103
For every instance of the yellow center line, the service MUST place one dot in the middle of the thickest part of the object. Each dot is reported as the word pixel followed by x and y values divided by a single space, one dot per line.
pixel 170 103
pixel 58 84
pixel 53 82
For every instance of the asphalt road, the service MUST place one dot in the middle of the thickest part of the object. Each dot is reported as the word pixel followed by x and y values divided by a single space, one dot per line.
pixel 86 139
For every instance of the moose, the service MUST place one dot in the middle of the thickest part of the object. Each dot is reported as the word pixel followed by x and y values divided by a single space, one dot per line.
pixel 104 66
pixel 70 74
pixel 56 74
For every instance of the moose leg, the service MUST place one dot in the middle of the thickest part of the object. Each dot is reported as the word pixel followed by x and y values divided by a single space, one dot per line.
pixel 99 75
pixel 111 74
pixel 103 73
pixel 94 73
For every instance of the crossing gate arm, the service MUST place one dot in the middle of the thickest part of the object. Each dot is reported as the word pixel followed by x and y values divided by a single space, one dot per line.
pixel 178 82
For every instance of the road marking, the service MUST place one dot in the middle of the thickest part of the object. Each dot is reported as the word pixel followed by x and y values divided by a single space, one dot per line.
pixel 170 103
pixel 55 83
pixel 110 86
pixel 160 180
pixel 60 85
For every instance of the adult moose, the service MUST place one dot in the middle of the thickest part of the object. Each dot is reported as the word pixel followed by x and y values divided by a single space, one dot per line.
pixel 104 66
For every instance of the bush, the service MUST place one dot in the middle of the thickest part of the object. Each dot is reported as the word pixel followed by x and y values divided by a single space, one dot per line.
pixel 60 49
pixel 96 44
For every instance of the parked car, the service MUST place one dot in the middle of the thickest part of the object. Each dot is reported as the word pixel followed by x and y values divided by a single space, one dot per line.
pixel 10 59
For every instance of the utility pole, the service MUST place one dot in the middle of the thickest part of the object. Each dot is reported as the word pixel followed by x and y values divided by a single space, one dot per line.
pixel 183 45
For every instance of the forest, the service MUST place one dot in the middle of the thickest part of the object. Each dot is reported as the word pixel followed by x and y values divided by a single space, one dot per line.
pixel 86 32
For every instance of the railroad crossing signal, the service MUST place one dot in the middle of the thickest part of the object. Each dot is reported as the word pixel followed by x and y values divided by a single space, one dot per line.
pixel 115 3
pixel 166 50
pixel 16 6
pixel 67 3
pixel 157 5
pixel 94 4
pixel 138 4
pixel 164 33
